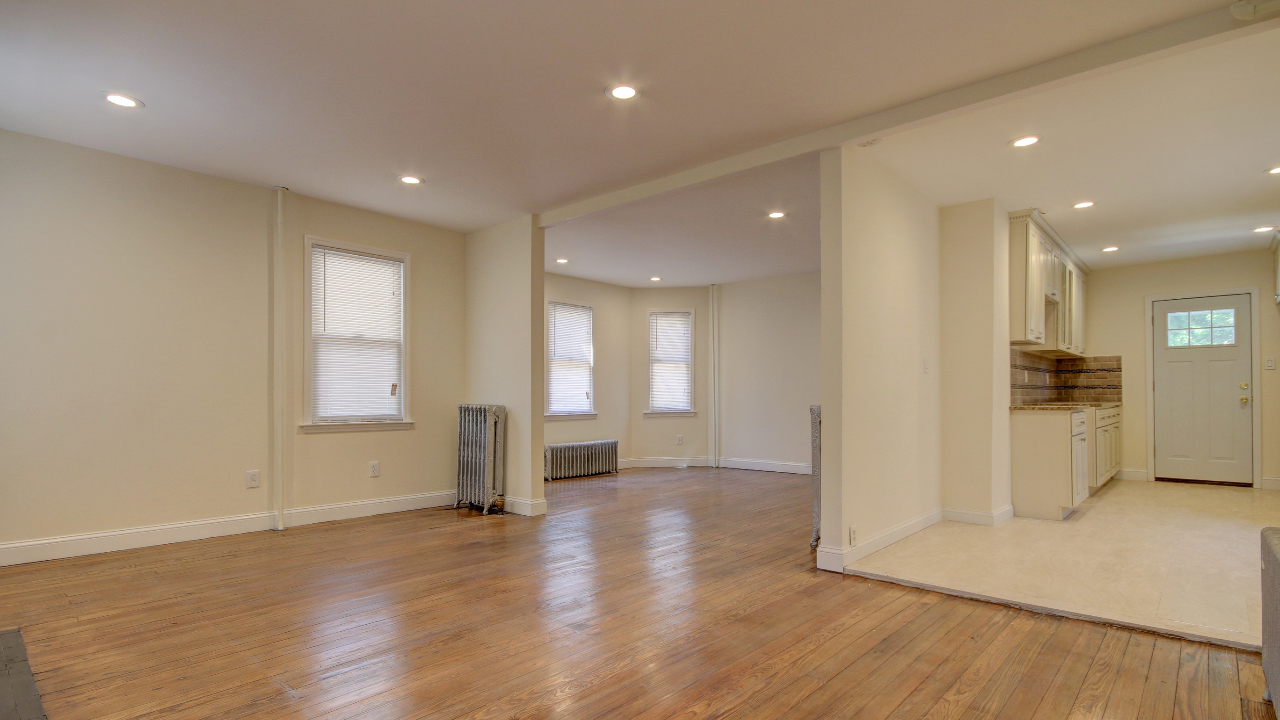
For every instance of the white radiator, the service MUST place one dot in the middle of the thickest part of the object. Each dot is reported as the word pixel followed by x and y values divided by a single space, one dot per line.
pixel 482 432
pixel 566 460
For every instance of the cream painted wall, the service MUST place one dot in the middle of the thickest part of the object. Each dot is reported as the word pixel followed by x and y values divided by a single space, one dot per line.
pixel 506 348
pixel 611 331
pixel 769 369
pixel 333 467
pixel 1116 317
pixel 133 377
pixel 890 328
pixel 974 366
pixel 655 437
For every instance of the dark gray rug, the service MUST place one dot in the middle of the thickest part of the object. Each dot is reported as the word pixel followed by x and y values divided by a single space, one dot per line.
pixel 19 699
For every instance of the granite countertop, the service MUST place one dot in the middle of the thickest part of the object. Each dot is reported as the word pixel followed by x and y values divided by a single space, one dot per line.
pixel 1064 406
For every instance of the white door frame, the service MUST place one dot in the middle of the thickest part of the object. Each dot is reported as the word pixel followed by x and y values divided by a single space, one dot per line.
pixel 1255 328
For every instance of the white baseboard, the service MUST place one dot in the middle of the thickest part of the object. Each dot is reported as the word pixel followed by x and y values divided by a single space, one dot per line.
pixel 662 462
pixel 833 559
pixel 1270 483
pixel 977 517
pixel 525 506
pixel 25 551
pixel 53 548
pixel 767 465
pixel 1131 474
pixel 884 539
pixel 365 508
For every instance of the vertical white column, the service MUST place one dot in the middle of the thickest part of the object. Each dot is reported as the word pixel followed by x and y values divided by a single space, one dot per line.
pixel 505 345
pixel 835 521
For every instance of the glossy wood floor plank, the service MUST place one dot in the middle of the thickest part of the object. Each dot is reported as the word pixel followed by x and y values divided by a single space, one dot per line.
pixel 653 594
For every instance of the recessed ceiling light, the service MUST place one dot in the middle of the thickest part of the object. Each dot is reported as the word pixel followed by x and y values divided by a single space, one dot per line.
pixel 1274 171
pixel 623 92
pixel 1025 141
pixel 1110 249
pixel 562 260
pixel 123 100
pixel 655 279
pixel 1265 228
pixel 410 180
pixel 1082 205
pixel 776 215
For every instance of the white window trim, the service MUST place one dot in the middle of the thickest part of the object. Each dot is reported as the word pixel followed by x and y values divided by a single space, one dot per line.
pixel 693 364
pixel 310 426
pixel 546 361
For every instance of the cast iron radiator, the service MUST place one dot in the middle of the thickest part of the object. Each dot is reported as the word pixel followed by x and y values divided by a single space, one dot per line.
pixel 566 460
pixel 482 432
pixel 1271 610
pixel 815 436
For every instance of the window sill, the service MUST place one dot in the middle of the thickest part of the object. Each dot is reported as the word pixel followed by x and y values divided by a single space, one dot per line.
pixel 569 416
pixel 310 428
pixel 671 413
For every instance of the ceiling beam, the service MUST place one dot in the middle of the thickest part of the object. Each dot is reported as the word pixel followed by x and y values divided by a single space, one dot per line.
pixel 1178 37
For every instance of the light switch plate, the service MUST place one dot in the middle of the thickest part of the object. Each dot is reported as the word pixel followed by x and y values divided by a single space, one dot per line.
pixel 374 470
pixel 1271 363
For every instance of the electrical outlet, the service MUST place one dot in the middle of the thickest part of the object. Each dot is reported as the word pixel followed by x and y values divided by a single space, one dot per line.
pixel 251 478
pixel 679 439
pixel 853 534
pixel 374 470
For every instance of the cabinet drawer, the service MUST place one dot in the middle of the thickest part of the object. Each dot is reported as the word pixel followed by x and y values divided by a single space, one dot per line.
pixel 1108 416
pixel 1079 423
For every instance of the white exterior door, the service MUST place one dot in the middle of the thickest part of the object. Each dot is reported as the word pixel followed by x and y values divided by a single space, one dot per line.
pixel 1203 389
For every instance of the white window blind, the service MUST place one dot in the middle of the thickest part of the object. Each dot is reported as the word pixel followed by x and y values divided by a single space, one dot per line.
pixel 357 337
pixel 670 361
pixel 570 359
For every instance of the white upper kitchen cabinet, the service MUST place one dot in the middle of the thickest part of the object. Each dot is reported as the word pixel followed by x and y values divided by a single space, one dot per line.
pixel 1046 289
pixel 1027 249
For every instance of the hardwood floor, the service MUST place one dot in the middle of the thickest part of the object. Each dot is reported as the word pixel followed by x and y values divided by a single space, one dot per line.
pixel 653 594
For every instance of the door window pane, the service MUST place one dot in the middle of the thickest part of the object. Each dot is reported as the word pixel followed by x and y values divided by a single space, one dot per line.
pixel 1200 328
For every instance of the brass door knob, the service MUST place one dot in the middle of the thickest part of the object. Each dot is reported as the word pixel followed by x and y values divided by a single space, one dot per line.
pixel 1244 398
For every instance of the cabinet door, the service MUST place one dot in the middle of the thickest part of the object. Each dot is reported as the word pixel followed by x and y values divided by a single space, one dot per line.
pixel 1077 312
pixel 1079 468
pixel 1066 311
pixel 1102 453
pixel 1114 437
pixel 1035 283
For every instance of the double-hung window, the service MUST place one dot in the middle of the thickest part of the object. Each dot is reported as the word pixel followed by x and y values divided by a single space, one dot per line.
pixel 357 336
pixel 570 360
pixel 670 361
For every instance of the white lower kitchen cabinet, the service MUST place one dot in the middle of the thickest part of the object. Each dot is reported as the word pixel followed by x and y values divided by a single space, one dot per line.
pixel 1051 469
pixel 1105 460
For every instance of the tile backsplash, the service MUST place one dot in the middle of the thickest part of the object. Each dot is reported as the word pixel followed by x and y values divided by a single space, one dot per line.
pixel 1037 379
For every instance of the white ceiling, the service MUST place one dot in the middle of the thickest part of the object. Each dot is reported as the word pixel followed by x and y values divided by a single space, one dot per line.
pixel 717 232
pixel 1173 152
pixel 500 105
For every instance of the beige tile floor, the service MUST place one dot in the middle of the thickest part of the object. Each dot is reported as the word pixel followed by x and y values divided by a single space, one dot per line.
pixel 1174 557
